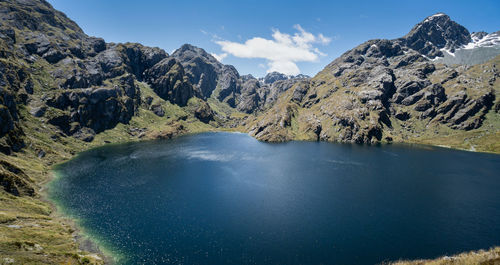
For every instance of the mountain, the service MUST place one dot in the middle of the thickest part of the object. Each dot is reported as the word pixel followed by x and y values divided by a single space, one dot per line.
pixel 211 78
pixel 435 34
pixel 275 76
pixel 62 92
pixel 445 41
pixel 84 86
pixel 259 94
pixel 394 90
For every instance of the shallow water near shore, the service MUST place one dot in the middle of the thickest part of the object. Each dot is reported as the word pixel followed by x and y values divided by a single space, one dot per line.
pixel 226 198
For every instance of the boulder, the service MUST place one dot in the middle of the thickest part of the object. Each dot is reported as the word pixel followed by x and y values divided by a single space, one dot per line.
pixel 300 91
pixel 158 110
pixel 204 113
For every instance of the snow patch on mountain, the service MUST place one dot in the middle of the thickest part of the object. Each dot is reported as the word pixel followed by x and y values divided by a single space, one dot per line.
pixel 482 39
pixel 434 16
pixel 482 48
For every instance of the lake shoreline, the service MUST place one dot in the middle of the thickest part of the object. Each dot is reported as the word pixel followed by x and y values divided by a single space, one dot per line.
pixel 86 242
pixel 90 245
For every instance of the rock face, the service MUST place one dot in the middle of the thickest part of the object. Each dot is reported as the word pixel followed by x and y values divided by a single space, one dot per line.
pixel 435 33
pixel 202 69
pixel 273 77
pixel 60 88
pixel 83 85
pixel 95 108
pixel 256 95
pixel 208 75
pixel 382 89
pixel 388 89
pixel 15 85
pixel 245 93
pixel 170 82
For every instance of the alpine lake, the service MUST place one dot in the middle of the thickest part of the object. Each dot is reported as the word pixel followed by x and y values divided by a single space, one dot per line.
pixel 226 198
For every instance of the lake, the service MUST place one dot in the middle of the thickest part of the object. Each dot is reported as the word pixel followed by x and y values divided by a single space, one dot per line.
pixel 226 198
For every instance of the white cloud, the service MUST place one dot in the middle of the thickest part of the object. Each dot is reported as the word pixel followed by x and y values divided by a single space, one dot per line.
pixel 282 52
pixel 219 57
pixel 286 67
pixel 324 40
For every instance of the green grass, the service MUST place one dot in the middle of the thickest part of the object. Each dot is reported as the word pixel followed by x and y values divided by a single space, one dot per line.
pixel 481 257
pixel 31 232
pixel 28 221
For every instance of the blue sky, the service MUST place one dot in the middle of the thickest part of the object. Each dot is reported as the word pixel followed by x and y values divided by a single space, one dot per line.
pixel 290 35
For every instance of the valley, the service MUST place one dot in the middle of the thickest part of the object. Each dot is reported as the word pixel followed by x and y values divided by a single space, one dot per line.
pixel 63 92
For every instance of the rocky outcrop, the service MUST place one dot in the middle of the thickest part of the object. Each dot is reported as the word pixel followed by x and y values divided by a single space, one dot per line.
pixel 15 181
pixel 274 127
pixel 11 134
pixel 90 85
pixel 257 96
pixel 15 86
pixel 276 76
pixel 94 108
pixel 273 77
pixel 140 58
pixel 299 92
pixel 204 113
pixel 208 75
pixel 83 85
pixel 170 82
pixel 228 86
pixel 245 93
pixel 361 94
pixel 250 99
pixel 202 69
pixel 435 33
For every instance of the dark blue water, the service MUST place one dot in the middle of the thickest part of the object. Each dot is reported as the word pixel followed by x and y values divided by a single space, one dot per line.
pixel 222 198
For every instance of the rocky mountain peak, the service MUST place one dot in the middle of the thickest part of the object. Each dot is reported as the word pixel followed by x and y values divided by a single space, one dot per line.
pixel 273 77
pixel 435 33
pixel 277 76
pixel 188 52
pixel 18 14
pixel 201 68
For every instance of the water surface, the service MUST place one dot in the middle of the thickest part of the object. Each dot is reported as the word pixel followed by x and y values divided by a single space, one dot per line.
pixel 224 198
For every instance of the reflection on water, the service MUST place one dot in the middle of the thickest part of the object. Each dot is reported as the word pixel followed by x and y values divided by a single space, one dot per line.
pixel 222 198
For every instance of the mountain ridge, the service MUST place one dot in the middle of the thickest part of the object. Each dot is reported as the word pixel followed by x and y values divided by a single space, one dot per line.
pixel 386 82
pixel 63 92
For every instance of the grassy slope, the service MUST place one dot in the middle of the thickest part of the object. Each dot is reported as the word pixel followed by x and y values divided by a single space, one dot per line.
pixel 484 139
pixel 31 232
pixel 337 103
pixel 489 257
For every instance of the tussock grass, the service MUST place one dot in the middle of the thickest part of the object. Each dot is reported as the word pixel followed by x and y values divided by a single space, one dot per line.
pixel 480 257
